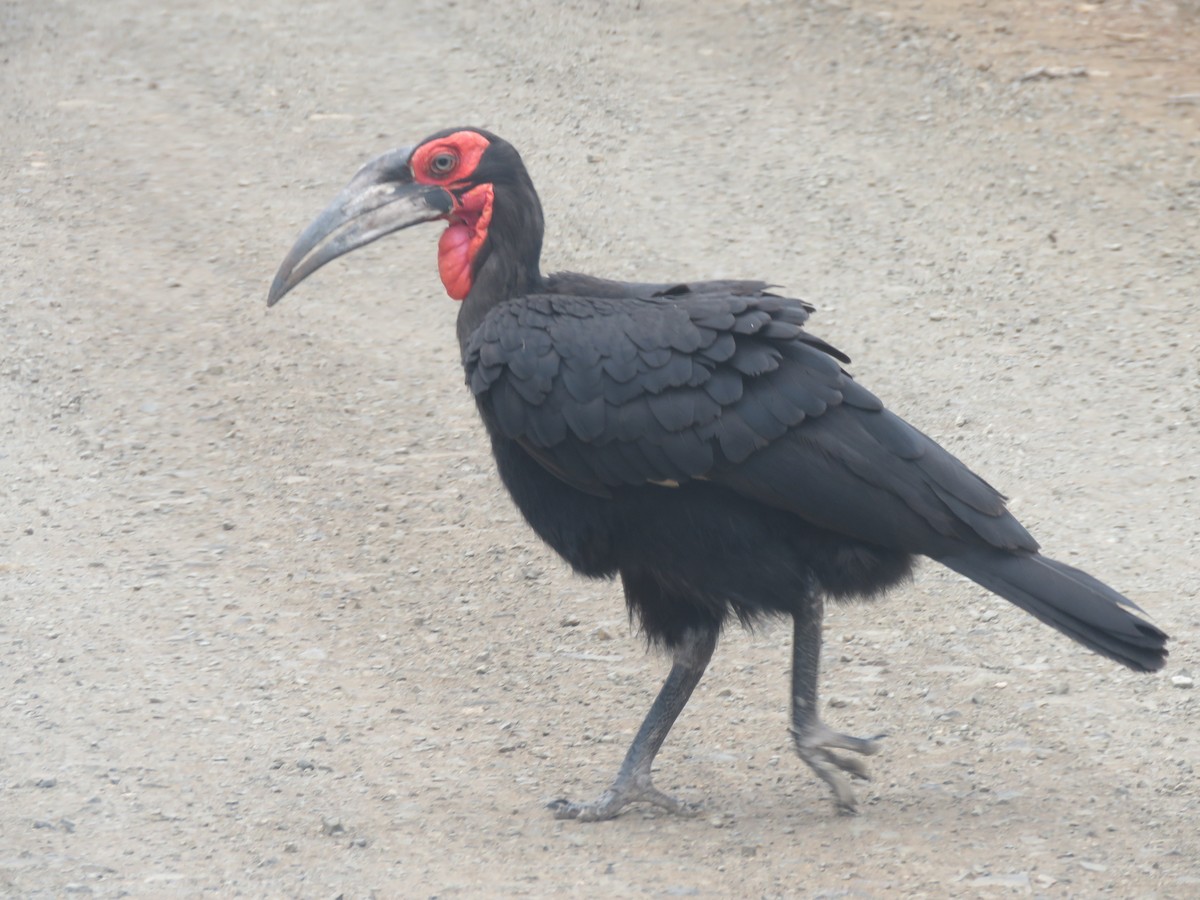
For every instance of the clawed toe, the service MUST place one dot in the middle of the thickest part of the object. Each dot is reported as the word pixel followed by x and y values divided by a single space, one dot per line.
pixel 855 767
pixel 612 803
pixel 607 806
pixel 815 743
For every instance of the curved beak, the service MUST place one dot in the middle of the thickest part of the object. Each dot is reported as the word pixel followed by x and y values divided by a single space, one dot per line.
pixel 380 199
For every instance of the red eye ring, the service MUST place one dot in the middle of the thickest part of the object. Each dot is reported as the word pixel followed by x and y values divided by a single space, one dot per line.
pixel 449 158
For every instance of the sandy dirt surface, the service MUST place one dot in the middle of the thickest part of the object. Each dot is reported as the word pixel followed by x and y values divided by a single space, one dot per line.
pixel 271 629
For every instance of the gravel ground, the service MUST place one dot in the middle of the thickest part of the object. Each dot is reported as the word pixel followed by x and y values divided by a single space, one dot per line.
pixel 270 627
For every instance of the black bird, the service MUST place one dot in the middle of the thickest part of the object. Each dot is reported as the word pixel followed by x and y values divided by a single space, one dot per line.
pixel 695 440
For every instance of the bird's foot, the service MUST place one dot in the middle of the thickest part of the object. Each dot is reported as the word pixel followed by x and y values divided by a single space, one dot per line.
pixel 815 744
pixel 616 798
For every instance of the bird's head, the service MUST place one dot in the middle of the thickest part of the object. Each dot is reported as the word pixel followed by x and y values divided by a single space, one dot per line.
pixel 470 178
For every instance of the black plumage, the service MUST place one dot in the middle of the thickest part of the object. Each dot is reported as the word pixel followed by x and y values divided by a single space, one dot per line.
pixel 697 442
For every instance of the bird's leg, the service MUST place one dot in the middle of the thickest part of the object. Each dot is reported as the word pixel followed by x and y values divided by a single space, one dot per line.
pixel 633 783
pixel 813 739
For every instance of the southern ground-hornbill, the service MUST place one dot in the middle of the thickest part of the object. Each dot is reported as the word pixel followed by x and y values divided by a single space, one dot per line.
pixel 695 440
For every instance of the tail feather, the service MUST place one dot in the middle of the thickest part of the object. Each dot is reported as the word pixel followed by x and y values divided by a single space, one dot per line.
pixel 1071 601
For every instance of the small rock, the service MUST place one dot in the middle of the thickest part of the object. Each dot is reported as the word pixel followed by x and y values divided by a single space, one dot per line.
pixel 1045 73
pixel 46 782
pixel 304 765
pixel 569 621
pixel 1014 880
pixel 1182 681
pixel 332 827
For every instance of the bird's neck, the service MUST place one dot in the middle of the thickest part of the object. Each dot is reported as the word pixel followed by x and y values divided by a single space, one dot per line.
pixel 508 264
pixel 496 280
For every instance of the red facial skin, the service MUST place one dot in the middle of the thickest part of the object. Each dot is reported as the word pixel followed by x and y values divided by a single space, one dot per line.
pixel 450 162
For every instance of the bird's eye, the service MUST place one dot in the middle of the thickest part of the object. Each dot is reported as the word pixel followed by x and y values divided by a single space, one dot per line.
pixel 443 163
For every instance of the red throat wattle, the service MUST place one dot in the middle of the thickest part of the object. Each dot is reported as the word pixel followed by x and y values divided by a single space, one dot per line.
pixel 462 239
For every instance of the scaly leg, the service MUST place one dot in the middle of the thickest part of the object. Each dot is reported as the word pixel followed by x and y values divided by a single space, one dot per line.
pixel 813 739
pixel 633 783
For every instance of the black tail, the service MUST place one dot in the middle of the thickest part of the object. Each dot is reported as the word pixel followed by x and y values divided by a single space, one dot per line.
pixel 1072 601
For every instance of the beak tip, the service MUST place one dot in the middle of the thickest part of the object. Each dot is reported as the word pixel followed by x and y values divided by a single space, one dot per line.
pixel 279 288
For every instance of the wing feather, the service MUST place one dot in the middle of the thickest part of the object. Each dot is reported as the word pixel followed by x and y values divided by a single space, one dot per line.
pixel 632 385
